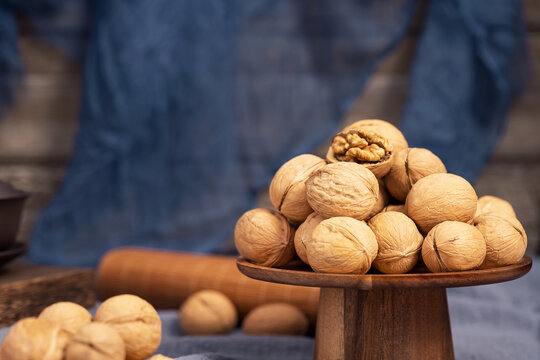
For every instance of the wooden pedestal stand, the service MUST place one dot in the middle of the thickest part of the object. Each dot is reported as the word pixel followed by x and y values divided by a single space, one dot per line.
pixel 381 316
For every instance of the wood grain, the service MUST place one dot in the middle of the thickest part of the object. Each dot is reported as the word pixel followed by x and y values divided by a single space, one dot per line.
pixel 383 324
pixel 26 289
pixel 414 280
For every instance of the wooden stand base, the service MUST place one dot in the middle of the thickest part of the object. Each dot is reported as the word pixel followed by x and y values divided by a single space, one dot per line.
pixel 383 324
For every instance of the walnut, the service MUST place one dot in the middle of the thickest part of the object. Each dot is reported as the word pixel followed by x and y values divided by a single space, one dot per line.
pixel 409 166
pixel 453 246
pixel 264 237
pixel 303 234
pixel 341 245
pixel 399 242
pixel 160 357
pixel 96 341
pixel 382 200
pixel 440 197
pixel 34 339
pixel 385 129
pixel 506 240
pixel 399 208
pixel 275 319
pixel 207 312
pixel 364 147
pixel 342 189
pixel 288 189
pixel 135 320
pixel 493 204
pixel 69 316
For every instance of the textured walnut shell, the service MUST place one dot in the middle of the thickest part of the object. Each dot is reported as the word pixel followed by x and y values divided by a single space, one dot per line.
pixel 96 341
pixel 288 189
pixel 69 316
pixel 399 242
pixel 440 197
pixel 382 201
pixel 34 339
pixel 506 240
pixel 264 237
pixel 207 312
pixel 275 319
pixel 303 234
pixel 453 246
pixel 409 166
pixel 342 245
pixel 135 320
pixel 493 204
pixel 342 189
pixel 398 208
pixel 386 130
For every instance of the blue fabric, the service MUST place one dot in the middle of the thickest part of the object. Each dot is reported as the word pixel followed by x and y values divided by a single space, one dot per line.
pixel 491 322
pixel 189 106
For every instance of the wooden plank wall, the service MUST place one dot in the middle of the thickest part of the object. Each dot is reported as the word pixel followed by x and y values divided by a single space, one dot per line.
pixel 37 133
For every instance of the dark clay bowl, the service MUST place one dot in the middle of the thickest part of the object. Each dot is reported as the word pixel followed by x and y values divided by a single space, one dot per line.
pixel 11 206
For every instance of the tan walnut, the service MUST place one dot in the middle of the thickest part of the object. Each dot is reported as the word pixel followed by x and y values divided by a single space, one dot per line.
pixel 288 189
pixel 382 201
pixel 364 147
pixel 399 242
pixel 341 245
pixel 409 166
pixel 207 312
pixel 398 208
pixel 264 237
pixel 440 197
pixel 275 319
pixel 135 320
pixel 96 341
pixel 453 246
pixel 69 316
pixel 506 240
pixel 303 234
pixel 385 129
pixel 34 339
pixel 493 204
pixel 342 189
pixel 160 357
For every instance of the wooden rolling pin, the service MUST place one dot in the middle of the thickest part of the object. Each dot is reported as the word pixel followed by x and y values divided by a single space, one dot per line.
pixel 167 278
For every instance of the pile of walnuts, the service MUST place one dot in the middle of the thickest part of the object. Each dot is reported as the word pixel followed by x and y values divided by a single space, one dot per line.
pixel 376 202
pixel 124 327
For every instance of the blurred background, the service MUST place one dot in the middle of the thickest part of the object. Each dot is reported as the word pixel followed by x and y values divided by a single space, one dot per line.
pixel 38 129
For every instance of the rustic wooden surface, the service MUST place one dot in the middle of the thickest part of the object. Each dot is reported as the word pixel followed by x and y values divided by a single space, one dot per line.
pixel 370 281
pixel 383 324
pixel 37 133
pixel 26 289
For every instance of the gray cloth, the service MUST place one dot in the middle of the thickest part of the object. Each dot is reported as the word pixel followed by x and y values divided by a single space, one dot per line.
pixel 491 322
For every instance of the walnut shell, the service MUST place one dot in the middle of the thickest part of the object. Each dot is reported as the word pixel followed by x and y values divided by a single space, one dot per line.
pixel 506 240
pixel 135 320
pixel 264 237
pixel 409 166
pixel 68 315
pixel 399 242
pixel 453 246
pixel 440 197
pixel 288 188
pixel 303 234
pixel 34 339
pixel 341 245
pixel 160 357
pixel 386 130
pixel 342 189
pixel 382 201
pixel 275 319
pixel 207 312
pixel 398 208
pixel 493 204
pixel 96 341
pixel 362 146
